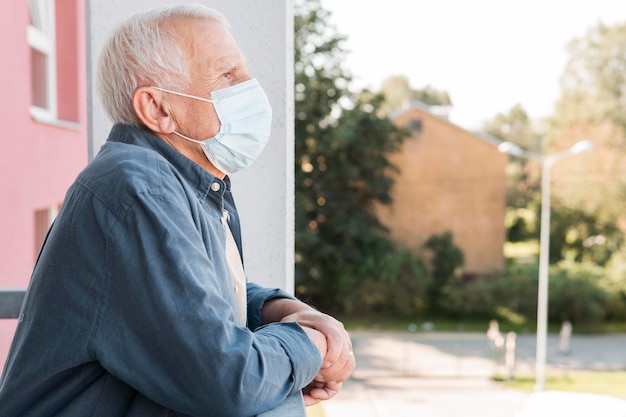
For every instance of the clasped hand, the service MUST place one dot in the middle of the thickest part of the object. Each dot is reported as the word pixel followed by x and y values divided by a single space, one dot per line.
pixel 338 360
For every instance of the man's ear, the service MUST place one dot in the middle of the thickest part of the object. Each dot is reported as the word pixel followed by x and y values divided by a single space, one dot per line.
pixel 153 110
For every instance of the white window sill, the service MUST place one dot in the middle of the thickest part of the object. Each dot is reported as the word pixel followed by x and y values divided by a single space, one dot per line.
pixel 43 116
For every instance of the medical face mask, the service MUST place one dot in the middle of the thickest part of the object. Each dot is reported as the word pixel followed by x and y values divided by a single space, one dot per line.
pixel 245 115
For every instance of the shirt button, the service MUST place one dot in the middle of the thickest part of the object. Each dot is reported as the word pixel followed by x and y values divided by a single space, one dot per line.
pixel 215 186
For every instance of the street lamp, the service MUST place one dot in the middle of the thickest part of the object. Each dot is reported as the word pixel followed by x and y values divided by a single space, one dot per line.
pixel 544 244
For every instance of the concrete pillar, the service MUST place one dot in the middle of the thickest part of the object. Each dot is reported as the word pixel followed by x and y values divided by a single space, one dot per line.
pixel 265 191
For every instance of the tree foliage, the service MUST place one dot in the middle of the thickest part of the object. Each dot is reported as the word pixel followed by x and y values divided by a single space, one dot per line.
pixel 523 176
pixel 590 190
pixel 397 92
pixel 582 237
pixel 594 81
pixel 341 170
pixel 591 106
pixel 517 127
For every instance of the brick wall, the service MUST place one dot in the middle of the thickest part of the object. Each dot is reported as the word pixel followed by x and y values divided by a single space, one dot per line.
pixel 450 180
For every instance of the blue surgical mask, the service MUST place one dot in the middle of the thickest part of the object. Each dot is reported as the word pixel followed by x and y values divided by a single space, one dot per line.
pixel 245 115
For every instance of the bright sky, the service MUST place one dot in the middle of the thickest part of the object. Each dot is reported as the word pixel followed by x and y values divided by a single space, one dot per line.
pixel 488 55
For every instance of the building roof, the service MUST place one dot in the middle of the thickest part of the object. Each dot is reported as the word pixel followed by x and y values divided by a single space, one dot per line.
pixel 442 113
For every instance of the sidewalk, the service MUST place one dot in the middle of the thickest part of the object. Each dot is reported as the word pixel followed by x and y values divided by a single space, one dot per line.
pixel 449 374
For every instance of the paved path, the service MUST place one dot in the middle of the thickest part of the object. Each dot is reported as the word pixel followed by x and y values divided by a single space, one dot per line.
pixel 449 374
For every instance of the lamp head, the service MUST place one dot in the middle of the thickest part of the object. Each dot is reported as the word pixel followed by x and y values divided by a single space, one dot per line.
pixel 510 148
pixel 582 146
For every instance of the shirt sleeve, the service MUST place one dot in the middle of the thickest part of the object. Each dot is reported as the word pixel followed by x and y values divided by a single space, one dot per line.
pixel 166 327
pixel 257 297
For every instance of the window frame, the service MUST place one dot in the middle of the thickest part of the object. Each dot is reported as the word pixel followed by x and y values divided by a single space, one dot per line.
pixel 43 219
pixel 41 36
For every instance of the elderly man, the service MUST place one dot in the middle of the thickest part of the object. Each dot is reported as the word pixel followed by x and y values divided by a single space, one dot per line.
pixel 138 304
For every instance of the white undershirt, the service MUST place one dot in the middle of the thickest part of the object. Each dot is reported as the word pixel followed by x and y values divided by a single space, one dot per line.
pixel 237 274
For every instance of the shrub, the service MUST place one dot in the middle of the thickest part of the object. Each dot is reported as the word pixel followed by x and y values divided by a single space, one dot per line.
pixel 486 296
pixel 614 282
pixel 475 298
pixel 573 294
pixel 446 259
pixel 399 289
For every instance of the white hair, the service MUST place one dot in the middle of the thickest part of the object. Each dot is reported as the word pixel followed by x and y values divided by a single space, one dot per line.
pixel 144 50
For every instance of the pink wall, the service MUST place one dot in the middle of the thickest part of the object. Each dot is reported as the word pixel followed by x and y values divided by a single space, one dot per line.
pixel 38 161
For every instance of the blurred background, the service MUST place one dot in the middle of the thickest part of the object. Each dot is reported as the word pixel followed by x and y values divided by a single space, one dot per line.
pixel 405 207
pixel 423 133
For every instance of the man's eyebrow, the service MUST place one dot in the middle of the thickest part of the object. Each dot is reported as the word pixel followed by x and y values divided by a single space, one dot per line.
pixel 229 63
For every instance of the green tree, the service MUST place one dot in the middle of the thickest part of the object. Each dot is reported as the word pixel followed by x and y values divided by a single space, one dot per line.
pixel 592 101
pixel 582 236
pixel 515 126
pixel 523 175
pixel 594 80
pixel 341 169
pixel 592 188
pixel 397 91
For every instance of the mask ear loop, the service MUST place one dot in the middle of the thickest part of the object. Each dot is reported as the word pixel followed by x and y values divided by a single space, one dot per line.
pixel 206 100
pixel 207 153
pixel 165 90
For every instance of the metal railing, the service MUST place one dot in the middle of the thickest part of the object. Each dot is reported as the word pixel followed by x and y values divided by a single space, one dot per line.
pixel 11 303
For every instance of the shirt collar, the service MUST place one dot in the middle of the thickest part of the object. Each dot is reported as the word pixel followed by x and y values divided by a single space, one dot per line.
pixel 197 177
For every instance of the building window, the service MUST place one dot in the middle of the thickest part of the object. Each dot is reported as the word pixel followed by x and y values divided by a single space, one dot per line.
pixel 416 125
pixel 43 220
pixel 53 38
pixel 41 38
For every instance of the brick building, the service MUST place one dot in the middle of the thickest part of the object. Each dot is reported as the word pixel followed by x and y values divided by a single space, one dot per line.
pixel 450 180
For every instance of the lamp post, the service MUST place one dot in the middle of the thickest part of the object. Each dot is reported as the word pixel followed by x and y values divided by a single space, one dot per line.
pixel 544 244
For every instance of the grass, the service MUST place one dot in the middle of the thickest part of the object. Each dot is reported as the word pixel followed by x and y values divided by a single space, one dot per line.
pixel 594 382
pixel 374 323
pixel 602 328
pixel 384 323
pixel 436 324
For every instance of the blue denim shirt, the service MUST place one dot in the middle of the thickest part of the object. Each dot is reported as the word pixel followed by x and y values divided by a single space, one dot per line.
pixel 131 309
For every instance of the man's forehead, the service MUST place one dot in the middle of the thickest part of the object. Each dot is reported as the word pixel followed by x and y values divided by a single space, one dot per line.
pixel 209 42
pixel 196 31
